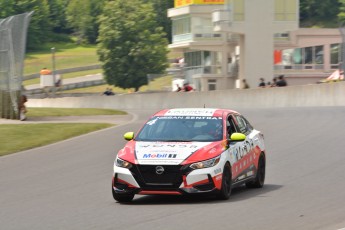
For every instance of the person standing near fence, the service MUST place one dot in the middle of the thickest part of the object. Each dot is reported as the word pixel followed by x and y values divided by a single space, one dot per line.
pixel 45 71
pixel 281 81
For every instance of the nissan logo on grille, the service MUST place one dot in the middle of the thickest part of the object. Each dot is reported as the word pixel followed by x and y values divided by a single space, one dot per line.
pixel 159 170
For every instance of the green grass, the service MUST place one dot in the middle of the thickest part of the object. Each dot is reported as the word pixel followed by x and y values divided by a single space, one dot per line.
pixel 15 138
pixel 48 112
pixel 67 55
pixel 65 76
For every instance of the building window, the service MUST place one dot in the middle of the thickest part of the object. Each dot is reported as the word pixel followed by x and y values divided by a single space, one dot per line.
pixel 203 62
pixel 318 55
pixel 212 83
pixel 308 55
pixel 285 10
pixel 335 55
pixel 181 26
pixel 306 58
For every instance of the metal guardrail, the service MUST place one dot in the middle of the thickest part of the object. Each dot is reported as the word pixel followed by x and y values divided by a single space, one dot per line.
pixel 68 70
pixel 77 85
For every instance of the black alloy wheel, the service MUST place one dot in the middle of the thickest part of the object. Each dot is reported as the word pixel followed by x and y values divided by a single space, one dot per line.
pixel 225 191
pixel 122 198
pixel 259 180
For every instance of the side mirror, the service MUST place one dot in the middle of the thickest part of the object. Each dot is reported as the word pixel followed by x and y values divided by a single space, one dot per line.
pixel 237 137
pixel 129 136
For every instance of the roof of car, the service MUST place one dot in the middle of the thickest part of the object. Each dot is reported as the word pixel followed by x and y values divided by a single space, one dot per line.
pixel 193 112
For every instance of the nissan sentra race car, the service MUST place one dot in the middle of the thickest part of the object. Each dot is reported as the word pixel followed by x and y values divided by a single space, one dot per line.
pixel 190 151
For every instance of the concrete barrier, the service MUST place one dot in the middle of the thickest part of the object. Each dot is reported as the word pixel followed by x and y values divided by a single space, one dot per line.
pixel 331 94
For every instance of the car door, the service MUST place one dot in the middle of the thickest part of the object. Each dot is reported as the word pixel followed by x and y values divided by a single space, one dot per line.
pixel 242 152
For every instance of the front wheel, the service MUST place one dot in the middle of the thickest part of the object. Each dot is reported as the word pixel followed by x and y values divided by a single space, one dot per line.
pixel 259 180
pixel 225 191
pixel 122 198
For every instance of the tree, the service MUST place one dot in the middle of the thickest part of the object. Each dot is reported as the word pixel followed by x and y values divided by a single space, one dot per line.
pixel 341 14
pixel 83 15
pixel 7 8
pixel 322 13
pixel 131 45
pixel 58 15
pixel 161 8
pixel 40 26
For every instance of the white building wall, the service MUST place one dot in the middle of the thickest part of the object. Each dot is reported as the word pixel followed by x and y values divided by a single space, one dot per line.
pixel 258 41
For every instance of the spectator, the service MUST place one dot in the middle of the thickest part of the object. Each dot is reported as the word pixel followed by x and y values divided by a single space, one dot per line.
pixel 262 83
pixel 45 71
pixel 274 82
pixel 22 107
pixel 281 81
pixel 245 84
pixel 178 88
pixel 187 87
pixel 108 92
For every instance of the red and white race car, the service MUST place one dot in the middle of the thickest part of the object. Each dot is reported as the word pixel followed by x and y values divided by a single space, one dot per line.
pixel 190 150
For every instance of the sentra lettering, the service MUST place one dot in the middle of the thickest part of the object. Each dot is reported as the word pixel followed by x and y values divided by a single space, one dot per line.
pixel 160 156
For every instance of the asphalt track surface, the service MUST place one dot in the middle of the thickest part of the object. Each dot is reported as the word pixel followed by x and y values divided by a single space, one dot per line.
pixel 68 185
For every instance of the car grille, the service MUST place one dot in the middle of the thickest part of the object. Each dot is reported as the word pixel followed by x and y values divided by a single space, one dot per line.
pixel 147 177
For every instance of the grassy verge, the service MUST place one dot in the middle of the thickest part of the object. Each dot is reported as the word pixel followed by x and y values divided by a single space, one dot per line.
pixel 15 138
pixel 19 137
pixel 67 55
pixel 65 76
pixel 49 112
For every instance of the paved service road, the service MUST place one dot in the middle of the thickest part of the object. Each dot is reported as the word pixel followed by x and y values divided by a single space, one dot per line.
pixel 68 185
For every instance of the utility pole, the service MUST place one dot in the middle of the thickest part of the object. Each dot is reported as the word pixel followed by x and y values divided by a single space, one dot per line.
pixel 53 70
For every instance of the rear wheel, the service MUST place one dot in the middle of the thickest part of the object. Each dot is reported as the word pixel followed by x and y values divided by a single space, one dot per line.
pixel 122 198
pixel 225 191
pixel 259 180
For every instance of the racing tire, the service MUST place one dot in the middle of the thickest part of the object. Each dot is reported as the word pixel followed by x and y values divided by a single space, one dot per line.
pixel 225 192
pixel 122 198
pixel 259 180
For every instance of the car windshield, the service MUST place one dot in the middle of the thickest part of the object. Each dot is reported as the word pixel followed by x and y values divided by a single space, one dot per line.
pixel 182 129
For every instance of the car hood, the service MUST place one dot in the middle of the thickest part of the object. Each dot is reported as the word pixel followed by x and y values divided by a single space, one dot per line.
pixel 170 153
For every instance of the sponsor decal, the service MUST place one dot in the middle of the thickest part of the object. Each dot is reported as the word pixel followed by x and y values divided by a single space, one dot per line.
pixel 216 171
pixel 165 152
pixel 149 155
pixel 217 178
pixel 250 173
pixel 242 150
pixel 152 122
pixel 190 112
pixel 241 177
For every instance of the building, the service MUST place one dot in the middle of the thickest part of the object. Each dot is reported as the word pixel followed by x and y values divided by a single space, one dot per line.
pixel 225 41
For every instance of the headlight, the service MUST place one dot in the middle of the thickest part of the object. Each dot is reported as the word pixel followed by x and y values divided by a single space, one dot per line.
pixel 205 164
pixel 122 163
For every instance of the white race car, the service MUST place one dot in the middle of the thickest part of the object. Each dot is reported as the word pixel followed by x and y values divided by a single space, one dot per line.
pixel 190 150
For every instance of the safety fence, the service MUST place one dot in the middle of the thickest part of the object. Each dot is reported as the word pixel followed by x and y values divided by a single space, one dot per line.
pixel 13 32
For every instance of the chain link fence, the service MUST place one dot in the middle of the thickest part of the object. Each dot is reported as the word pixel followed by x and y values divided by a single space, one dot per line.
pixel 13 31
pixel 342 58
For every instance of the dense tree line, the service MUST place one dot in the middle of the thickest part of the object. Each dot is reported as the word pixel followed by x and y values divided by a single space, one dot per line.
pixel 54 19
